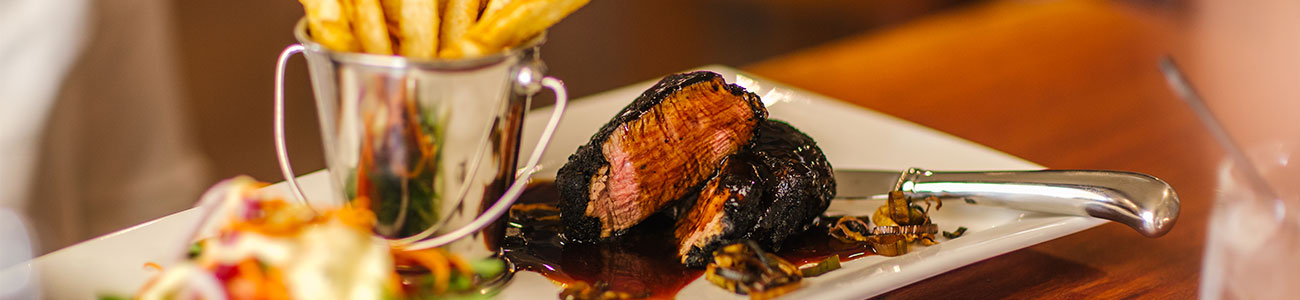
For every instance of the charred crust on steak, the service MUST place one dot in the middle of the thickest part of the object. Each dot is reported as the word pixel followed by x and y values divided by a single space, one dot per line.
pixel 789 174
pixel 801 187
pixel 574 179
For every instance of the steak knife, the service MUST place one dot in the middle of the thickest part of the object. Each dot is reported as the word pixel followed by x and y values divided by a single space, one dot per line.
pixel 1145 203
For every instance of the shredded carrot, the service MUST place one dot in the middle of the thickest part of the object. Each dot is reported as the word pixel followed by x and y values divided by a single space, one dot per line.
pixel 250 283
pixel 267 228
pixel 395 285
pixel 460 264
pixel 353 216
pixel 436 261
pixel 273 205
pixel 361 203
pixel 424 142
pixel 147 285
pixel 250 268
pixel 151 281
pixel 239 288
pixel 278 218
pixel 367 158
pixel 153 265
pixel 275 287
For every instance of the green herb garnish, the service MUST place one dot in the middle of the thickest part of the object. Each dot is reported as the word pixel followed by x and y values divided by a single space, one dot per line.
pixel 195 249
pixel 955 234
pixel 829 264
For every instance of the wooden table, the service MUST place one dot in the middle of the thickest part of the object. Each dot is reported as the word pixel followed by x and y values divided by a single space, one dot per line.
pixel 1066 84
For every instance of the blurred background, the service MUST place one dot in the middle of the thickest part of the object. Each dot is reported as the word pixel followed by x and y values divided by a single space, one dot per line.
pixel 166 97
pixel 228 66
pixel 116 112
pixel 152 101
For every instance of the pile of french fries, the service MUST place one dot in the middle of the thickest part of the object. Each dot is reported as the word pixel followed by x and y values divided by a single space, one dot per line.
pixel 431 29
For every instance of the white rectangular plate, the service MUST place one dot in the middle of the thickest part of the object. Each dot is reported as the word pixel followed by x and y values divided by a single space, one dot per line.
pixel 851 137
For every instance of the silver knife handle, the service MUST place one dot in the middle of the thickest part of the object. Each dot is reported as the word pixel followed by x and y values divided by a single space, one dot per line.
pixel 1145 203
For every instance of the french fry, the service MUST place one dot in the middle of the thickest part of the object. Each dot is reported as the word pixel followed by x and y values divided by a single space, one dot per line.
pixel 428 29
pixel 329 23
pixel 457 18
pixel 370 28
pixel 513 24
pixel 393 20
pixel 419 28
pixel 349 11
pixel 492 7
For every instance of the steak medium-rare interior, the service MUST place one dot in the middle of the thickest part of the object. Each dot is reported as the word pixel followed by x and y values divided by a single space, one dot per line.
pixel 766 193
pixel 658 149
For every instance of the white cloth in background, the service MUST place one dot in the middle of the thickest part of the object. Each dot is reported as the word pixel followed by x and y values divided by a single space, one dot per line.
pixel 116 149
pixel 19 280
pixel 39 41
pixel 93 132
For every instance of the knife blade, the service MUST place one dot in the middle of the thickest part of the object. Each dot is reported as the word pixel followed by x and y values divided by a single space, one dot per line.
pixel 1143 202
pixel 860 184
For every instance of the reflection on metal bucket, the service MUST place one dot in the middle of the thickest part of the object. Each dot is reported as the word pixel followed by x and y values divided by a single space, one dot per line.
pixel 429 146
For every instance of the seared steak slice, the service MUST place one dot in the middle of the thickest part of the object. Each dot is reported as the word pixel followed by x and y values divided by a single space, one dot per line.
pixel 725 212
pixel 766 194
pixel 659 148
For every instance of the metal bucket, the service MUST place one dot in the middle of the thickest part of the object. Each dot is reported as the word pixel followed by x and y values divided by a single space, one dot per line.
pixel 430 146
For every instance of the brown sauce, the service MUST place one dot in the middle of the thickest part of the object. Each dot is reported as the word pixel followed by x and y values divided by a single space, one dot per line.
pixel 642 263
pixel 815 245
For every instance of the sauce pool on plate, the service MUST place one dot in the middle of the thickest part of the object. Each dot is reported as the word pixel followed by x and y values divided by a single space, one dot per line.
pixel 642 263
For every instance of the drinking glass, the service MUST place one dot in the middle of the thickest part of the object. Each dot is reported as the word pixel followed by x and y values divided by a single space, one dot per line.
pixel 1253 247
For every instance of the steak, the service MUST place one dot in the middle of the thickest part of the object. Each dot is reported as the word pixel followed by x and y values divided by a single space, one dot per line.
pixel 659 148
pixel 801 187
pixel 765 194
pixel 725 210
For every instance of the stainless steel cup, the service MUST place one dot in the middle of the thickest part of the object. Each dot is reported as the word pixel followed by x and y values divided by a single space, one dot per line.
pixel 430 146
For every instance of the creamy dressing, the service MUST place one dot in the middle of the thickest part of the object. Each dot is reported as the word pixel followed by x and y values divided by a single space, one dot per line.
pixel 336 261
pixel 268 250
pixel 322 261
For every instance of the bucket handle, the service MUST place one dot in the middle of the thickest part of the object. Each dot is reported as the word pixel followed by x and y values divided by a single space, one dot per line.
pixel 497 209
pixel 281 153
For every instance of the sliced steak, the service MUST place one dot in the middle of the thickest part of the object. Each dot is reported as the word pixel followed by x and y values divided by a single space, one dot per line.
pixel 726 210
pixel 659 148
pixel 766 194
